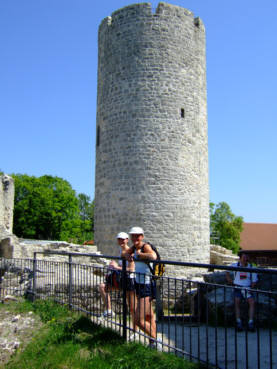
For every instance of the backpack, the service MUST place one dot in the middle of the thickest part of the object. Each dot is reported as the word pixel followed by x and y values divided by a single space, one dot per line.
pixel 114 278
pixel 157 269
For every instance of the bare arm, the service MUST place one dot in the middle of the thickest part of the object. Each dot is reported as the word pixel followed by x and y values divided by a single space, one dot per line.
pixel 147 254
pixel 128 255
pixel 229 278
pixel 114 265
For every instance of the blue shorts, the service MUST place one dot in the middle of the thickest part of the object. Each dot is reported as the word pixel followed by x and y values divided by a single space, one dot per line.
pixel 146 290
pixel 243 293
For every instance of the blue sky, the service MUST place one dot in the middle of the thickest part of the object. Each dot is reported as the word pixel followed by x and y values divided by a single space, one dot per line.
pixel 48 78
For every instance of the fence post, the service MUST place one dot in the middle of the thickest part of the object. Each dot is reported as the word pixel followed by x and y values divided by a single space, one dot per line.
pixel 34 277
pixel 70 281
pixel 159 302
pixel 124 285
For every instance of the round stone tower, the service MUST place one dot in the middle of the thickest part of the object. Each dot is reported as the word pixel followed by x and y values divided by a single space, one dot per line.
pixel 151 139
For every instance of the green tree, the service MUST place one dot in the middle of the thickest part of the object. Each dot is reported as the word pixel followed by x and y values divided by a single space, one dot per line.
pixel 225 227
pixel 86 212
pixel 45 208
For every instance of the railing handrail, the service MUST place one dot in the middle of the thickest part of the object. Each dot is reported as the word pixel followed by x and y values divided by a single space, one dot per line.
pixel 168 262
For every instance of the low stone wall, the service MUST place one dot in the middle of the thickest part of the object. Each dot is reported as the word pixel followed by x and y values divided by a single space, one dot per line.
pixel 221 256
pixel 25 250
pixel 14 247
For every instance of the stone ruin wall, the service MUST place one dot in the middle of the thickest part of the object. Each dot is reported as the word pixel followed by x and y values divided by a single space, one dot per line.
pixel 6 203
pixel 7 239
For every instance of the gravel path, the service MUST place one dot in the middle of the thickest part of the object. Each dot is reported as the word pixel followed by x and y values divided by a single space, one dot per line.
pixel 221 347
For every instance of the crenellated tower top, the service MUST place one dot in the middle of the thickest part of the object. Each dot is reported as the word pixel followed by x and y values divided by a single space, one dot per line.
pixel 163 10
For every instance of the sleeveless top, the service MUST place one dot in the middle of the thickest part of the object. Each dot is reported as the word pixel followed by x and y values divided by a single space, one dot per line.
pixel 143 273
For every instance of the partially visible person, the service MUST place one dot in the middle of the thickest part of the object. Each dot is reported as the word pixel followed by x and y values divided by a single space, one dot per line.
pixel 106 288
pixel 144 315
pixel 243 282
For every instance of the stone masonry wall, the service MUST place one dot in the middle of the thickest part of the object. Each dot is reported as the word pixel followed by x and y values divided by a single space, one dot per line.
pixel 6 202
pixel 24 249
pixel 151 149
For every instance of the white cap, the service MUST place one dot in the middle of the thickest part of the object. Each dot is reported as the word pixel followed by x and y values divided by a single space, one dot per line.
pixel 122 235
pixel 136 230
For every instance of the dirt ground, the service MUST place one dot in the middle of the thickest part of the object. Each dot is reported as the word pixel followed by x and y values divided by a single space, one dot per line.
pixel 16 331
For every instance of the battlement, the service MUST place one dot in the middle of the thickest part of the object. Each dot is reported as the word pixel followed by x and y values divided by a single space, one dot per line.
pixel 172 10
pixel 144 10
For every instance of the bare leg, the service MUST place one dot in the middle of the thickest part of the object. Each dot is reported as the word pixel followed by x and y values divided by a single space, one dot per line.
pixel 132 303
pixel 237 307
pixel 106 298
pixel 251 311
pixel 145 317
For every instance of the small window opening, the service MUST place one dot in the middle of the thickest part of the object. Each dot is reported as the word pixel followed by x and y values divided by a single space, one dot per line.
pixel 182 113
pixel 98 136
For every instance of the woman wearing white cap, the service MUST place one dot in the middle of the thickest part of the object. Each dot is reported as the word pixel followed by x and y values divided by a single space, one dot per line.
pixel 105 288
pixel 144 316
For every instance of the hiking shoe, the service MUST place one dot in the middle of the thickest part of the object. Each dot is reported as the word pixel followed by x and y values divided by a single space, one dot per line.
pixel 132 337
pixel 108 314
pixel 157 345
pixel 239 327
pixel 251 327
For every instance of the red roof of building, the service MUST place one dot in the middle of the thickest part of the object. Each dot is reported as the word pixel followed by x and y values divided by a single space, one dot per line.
pixel 259 236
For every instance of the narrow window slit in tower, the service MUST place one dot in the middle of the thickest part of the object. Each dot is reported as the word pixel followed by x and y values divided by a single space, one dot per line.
pixel 182 113
pixel 98 136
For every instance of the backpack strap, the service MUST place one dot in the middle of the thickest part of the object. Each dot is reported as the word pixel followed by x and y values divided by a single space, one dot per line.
pixel 147 262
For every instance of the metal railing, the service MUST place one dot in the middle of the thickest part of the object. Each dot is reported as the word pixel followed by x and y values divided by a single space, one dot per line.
pixel 194 319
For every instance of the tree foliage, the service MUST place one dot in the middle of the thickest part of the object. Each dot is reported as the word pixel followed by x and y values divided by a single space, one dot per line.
pixel 47 208
pixel 86 213
pixel 225 227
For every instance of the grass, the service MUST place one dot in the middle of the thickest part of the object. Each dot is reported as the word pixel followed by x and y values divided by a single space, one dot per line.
pixel 70 340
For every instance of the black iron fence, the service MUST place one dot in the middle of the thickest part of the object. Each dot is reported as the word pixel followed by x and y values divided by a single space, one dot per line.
pixel 194 317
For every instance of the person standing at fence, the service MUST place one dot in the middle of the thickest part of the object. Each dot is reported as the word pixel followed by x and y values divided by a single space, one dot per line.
pixel 144 315
pixel 243 282
pixel 112 285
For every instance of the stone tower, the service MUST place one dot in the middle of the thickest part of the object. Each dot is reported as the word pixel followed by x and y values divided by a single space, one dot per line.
pixel 151 145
